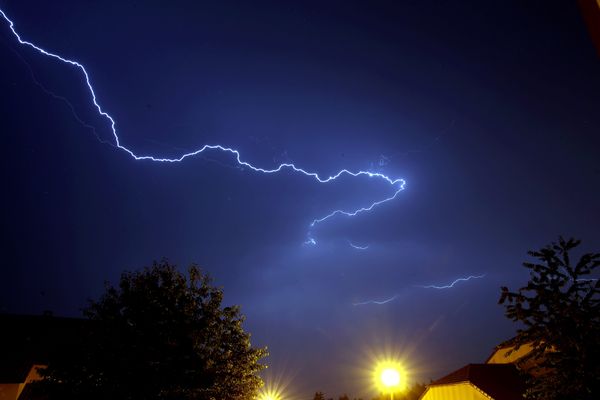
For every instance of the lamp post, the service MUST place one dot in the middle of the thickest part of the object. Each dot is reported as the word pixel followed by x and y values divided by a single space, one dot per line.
pixel 390 378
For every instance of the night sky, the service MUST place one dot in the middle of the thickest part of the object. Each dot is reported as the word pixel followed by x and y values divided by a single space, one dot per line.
pixel 489 110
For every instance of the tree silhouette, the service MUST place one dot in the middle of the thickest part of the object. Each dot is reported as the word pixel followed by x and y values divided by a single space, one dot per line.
pixel 160 334
pixel 559 310
pixel 319 396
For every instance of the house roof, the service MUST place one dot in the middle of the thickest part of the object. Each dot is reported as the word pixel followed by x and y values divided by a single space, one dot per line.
pixel 495 351
pixel 499 381
pixel 500 356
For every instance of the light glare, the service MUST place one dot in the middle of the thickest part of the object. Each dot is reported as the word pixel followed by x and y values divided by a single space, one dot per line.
pixel 270 396
pixel 390 377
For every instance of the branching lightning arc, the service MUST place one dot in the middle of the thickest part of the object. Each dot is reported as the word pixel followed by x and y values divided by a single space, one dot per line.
pixel 396 183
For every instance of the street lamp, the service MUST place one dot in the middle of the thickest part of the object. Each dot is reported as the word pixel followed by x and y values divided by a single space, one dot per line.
pixel 390 379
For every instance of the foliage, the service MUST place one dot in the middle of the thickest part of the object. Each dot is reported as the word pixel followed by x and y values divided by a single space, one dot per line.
pixel 319 396
pixel 559 310
pixel 160 334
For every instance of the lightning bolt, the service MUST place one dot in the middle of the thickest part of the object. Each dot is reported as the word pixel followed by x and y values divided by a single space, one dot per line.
pixel 396 183
pixel 394 297
pixel 377 302
pixel 579 279
pixel 357 247
pixel 59 98
pixel 451 285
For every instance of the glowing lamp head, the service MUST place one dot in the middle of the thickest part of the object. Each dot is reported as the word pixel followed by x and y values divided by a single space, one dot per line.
pixel 390 377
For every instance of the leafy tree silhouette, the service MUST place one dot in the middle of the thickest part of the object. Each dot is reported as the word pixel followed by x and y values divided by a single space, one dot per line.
pixel 559 311
pixel 160 334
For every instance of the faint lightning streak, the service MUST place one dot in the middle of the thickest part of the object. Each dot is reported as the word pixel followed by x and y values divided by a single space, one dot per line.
pixel 397 183
pixel 381 302
pixel 378 302
pixel 357 247
pixel 468 278
pixel 578 279
pixel 60 98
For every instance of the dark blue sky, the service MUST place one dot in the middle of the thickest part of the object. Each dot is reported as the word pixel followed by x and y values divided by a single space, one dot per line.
pixel 489 111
